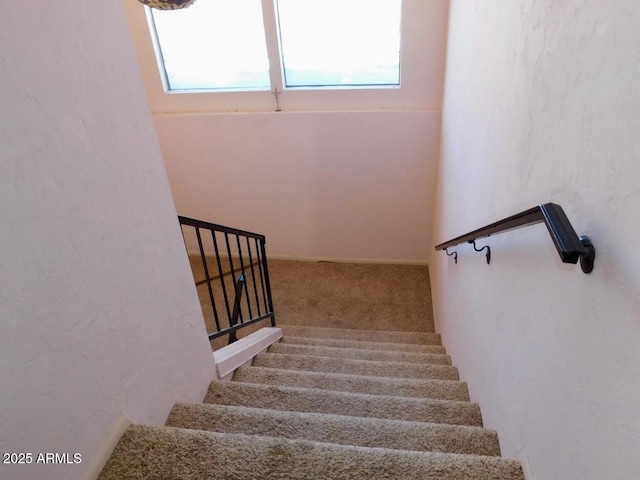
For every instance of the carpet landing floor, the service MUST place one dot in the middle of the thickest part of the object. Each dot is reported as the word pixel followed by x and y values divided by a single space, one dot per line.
pixel 325 403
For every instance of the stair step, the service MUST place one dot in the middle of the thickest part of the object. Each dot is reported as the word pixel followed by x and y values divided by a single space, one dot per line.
pixel 355 344
pixel 356 367
pixel 317 427
pixel 405 387
pixel 363 335
pixel 166 452
pixel 360 354
pixel 297 399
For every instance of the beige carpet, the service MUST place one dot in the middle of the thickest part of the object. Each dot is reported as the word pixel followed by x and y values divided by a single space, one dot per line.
pixel 325 403
pixel 337 295
pixel 175 453
pixel 356 296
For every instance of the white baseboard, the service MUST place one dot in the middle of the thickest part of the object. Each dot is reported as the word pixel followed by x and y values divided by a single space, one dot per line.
pixel 526 467
pixel 298 258
pixel 100 459
pixel 233 356
pixel 375 261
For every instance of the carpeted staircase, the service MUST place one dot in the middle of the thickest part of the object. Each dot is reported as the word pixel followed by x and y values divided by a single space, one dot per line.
pixel 325 403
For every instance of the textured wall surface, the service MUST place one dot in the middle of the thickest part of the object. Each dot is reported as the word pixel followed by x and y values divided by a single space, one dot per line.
pixel 98 310
pixel 541 104
pixel 347 186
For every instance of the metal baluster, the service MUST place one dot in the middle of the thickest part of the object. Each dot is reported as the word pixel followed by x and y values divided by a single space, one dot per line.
pixel 264 293
pixel 233 271
pixel 268 284
pixel 233 337
pixel 253 276
pixel 221 272
pixel 244 275
pixel 206 273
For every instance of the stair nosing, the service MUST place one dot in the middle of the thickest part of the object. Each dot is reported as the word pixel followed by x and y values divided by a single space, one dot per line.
pixel 341 332
pixel 444 370
pixel 360 360
pixel 372 352
pixel 401 346
pixel 435 388
pixel 434 401
pixel 358 418
pixel 424 435
pixel 356 448
pixel 373 377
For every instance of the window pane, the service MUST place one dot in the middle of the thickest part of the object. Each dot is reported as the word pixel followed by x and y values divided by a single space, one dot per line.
pixel 340 42
pixel 214 44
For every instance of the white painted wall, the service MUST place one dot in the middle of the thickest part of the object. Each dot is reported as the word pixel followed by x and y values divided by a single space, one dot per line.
pixel 541 104
pixel 346 186
pixel 338 174
pixel 99 314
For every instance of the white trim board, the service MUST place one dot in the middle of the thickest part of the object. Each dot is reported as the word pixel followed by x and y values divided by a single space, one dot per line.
pixel 374 261
pixel 233 356
pixel 100 459
pixel 298 258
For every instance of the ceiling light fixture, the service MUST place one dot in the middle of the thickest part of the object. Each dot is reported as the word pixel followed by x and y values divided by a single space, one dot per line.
pixel 168 4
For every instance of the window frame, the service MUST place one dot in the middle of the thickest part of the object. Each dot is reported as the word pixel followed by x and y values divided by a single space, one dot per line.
pixel 164 75
pixel 424 33
pixel 274 48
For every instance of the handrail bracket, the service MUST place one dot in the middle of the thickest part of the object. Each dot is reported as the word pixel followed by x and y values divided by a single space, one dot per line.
pixel 453 254
pixel 486 247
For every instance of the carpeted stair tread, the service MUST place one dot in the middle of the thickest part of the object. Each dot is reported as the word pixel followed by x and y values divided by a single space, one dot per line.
pixel 355 344
pixel 360 354
pixel 297 399
pixel 146 452
pixel 422 338
pixel 318 427
pixel 356 367
pixel 404 387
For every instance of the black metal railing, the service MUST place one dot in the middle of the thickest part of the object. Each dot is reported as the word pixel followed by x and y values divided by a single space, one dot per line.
pixel 571 248
pixel 231 275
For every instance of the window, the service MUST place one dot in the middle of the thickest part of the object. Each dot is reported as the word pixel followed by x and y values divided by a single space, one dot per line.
pixel 338 42
pixel 214 44
pixel 222 45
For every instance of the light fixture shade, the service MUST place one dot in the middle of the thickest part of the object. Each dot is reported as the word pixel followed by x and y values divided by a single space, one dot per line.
pixel 168 4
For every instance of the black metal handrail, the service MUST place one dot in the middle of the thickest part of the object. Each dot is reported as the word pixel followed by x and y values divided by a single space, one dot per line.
pixel 250 301
pixel 570 246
